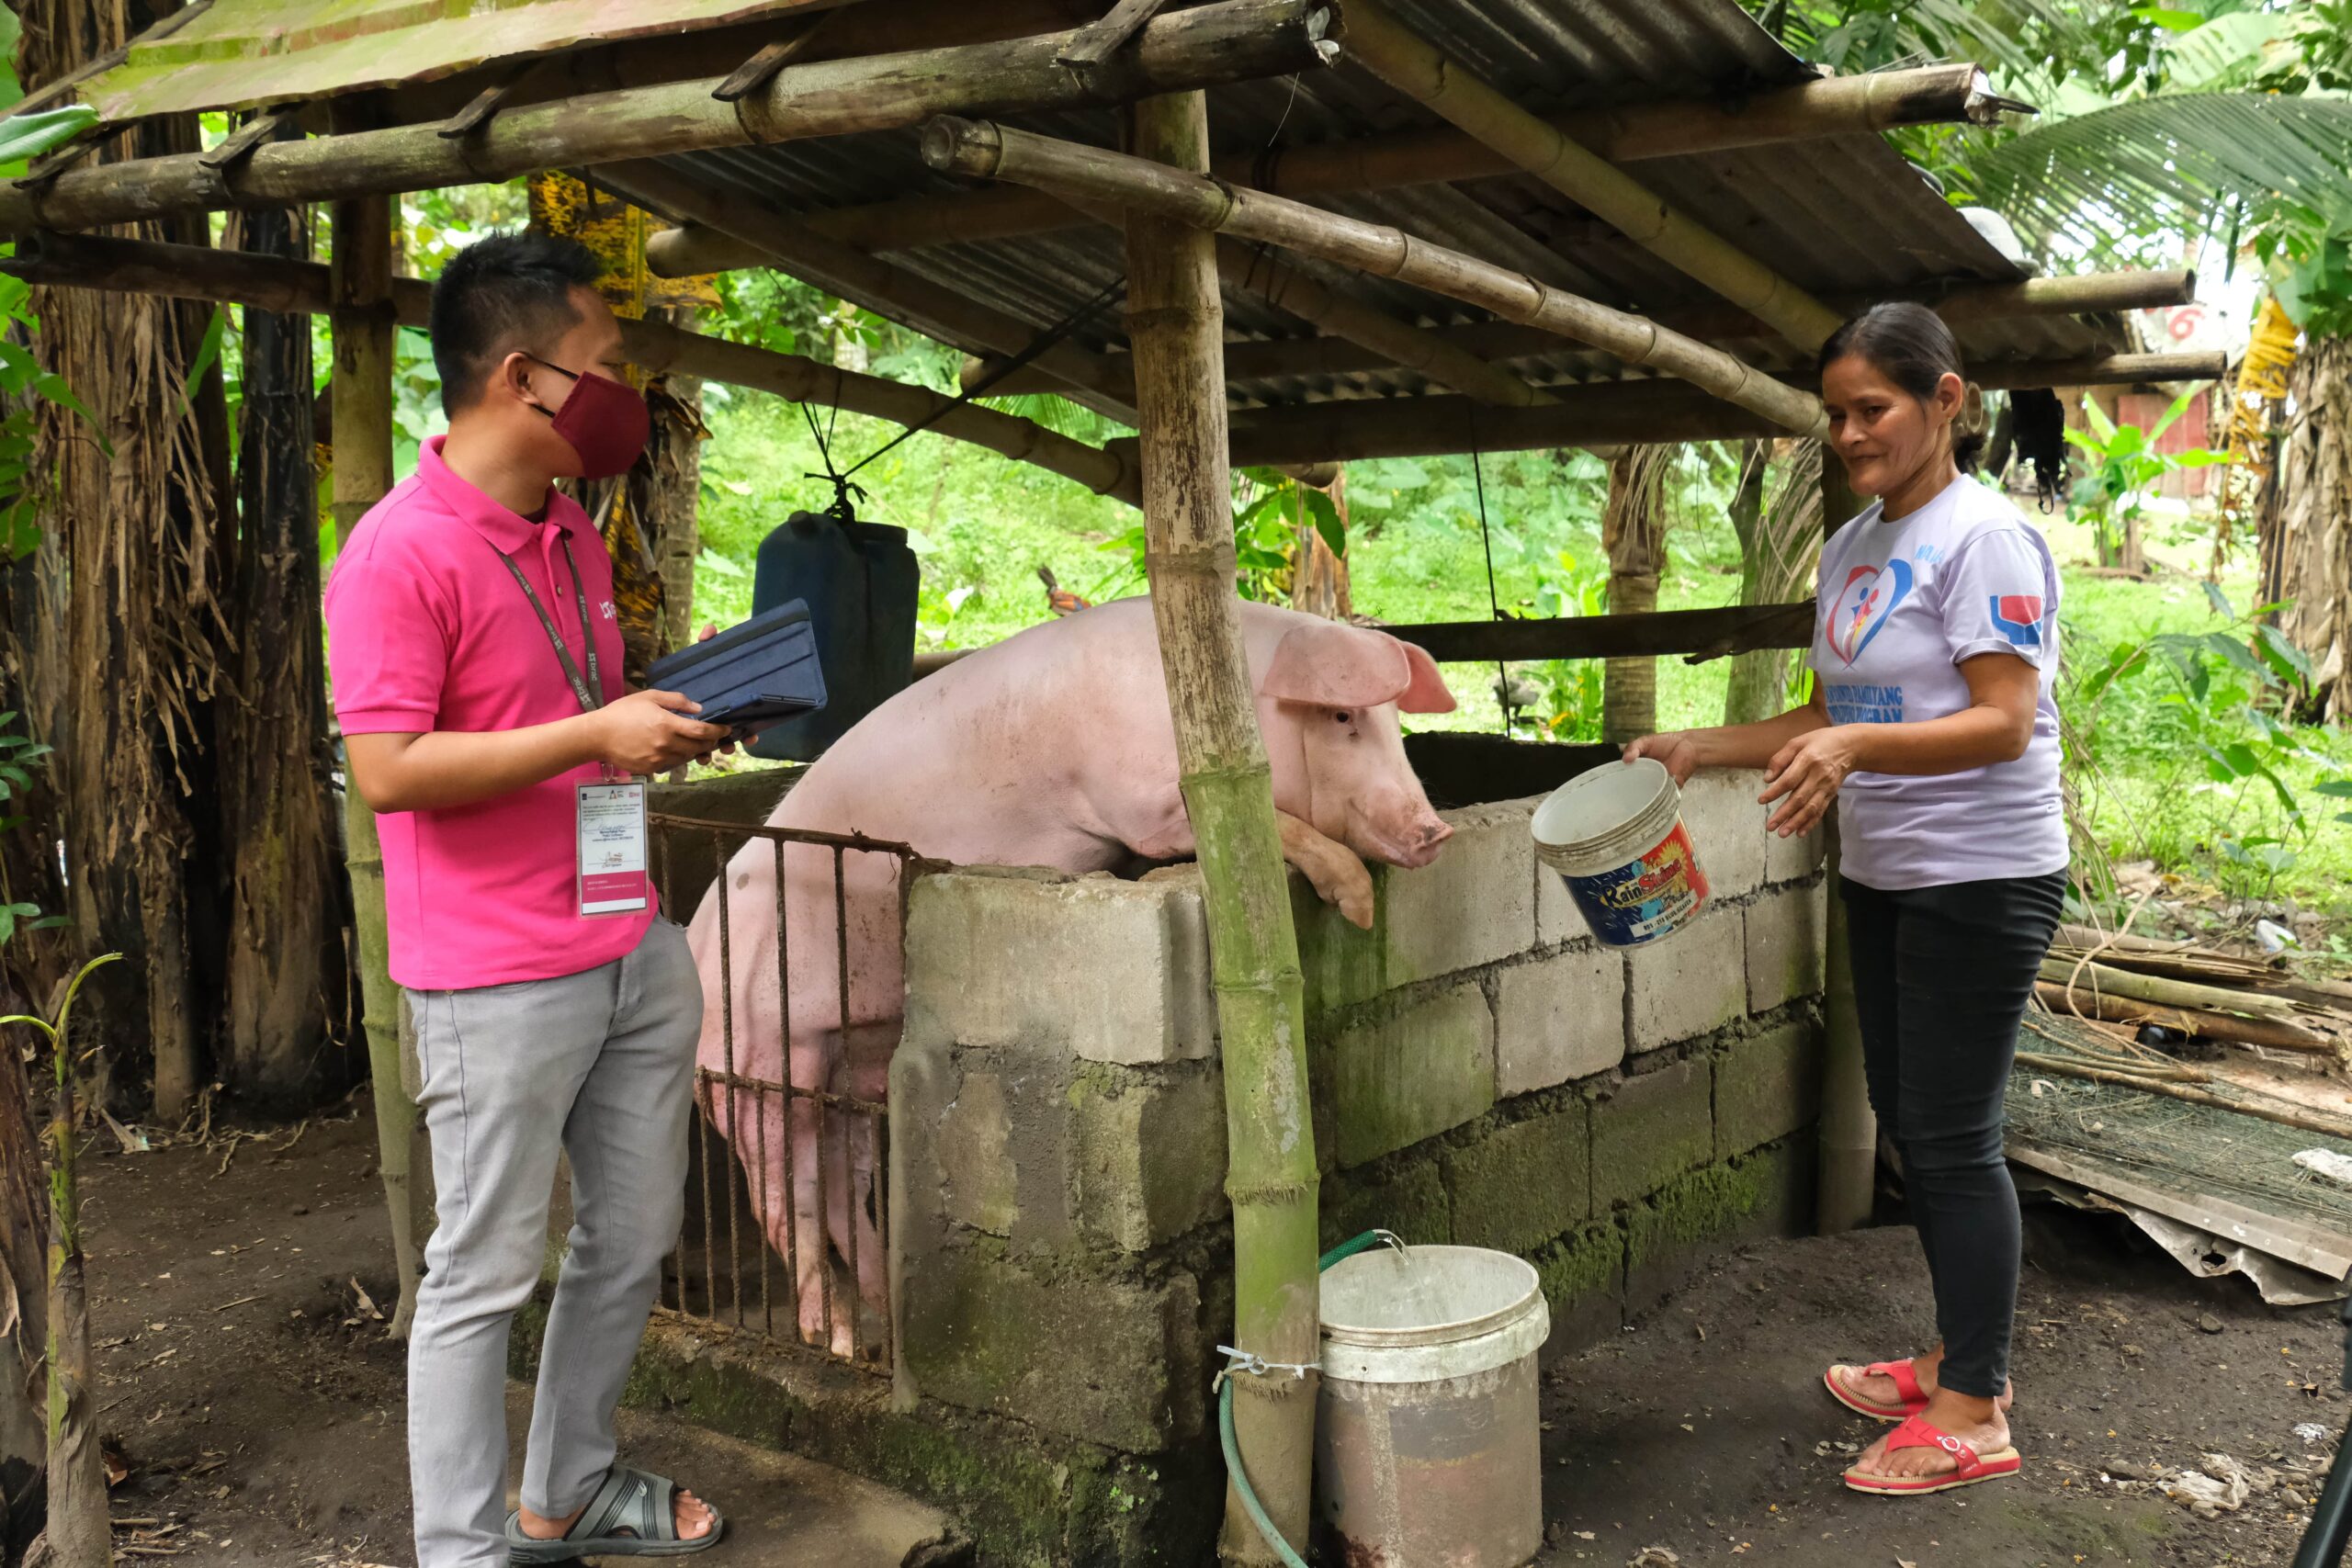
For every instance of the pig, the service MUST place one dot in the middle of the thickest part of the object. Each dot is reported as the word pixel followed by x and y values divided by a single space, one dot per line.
pixel 1053 748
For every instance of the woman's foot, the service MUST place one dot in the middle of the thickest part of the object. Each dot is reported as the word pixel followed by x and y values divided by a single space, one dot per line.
pixel 692 1514
pixel 1956 1441
pixel 1979 1423
pixel 1882 1390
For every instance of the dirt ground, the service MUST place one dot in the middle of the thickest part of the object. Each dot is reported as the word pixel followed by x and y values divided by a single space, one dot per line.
pixel 256 1405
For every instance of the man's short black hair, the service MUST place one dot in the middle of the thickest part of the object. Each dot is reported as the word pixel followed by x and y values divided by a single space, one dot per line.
pixel 498 294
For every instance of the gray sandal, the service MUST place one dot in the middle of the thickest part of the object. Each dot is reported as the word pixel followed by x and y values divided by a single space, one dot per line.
pixel 629 1501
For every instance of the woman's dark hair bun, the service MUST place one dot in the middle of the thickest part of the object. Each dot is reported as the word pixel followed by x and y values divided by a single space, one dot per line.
pixel 1911 346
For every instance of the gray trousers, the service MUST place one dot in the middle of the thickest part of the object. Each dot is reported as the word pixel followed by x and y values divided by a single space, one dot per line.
pixel 600 1066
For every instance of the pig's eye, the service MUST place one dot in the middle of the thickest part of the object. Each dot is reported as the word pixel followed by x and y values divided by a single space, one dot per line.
pixel 1342 716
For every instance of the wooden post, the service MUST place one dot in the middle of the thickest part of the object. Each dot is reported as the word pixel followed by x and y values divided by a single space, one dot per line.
pixel 1091 173
pixel 1633 532
pixel 1849 1128
pixel 362 319
pixel 1176 320
pixel 1420 70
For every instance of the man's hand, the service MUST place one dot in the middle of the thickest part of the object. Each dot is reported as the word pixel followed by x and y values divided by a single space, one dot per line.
pixel 1675 750
pixel 1803 775
pixel 651 732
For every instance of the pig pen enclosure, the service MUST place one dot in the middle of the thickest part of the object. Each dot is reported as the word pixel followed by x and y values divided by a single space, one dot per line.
pixel 1504 257
pixel 1052 1202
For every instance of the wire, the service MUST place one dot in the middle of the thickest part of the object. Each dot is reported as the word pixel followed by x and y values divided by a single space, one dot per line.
pixel 1485 538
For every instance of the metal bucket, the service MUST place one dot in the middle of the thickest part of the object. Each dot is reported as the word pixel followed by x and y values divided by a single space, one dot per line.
pixel 1425 1443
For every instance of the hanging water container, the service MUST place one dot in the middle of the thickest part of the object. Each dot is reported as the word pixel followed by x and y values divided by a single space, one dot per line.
pixel 859 580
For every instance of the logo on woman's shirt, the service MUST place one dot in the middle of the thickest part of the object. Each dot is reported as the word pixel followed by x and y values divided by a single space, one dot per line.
pixel 1862 606
pixel 2018 617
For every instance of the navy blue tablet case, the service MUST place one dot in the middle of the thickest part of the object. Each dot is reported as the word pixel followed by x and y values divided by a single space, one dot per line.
pixel 752 674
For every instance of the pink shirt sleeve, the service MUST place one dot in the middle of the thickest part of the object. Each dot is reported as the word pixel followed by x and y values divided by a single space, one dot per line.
pixel 388 650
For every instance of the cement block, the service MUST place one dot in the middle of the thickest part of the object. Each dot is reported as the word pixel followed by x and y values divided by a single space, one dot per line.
pixel 1411 1076
pixel 1108 970
pixel 1411 1202
pixel 1523 1184
pixel 1583 1278
pixel 1788 859
pixel 1558 1018
pixel 1654 1127
pixel 1474 906
pixel 1340 966
pixel 1148 1155
pixel 1681 1228
pixel 1110 1361
pixel 1558 919
pixel 1786 932
pixel 1694 981
pixel 1726 829
pixel 1767 1087
pixel 975 1156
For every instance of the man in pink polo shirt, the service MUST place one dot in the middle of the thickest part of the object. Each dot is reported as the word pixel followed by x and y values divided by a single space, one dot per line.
pixel 477 663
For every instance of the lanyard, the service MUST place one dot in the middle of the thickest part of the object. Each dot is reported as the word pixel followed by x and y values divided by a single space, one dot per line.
pixel 591 691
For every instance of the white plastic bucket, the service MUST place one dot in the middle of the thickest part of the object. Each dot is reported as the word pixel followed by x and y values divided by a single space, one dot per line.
pixel 1427 1437
pixel 1616 838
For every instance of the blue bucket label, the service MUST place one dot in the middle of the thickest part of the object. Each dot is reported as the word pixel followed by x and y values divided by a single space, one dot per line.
pixel 1643 899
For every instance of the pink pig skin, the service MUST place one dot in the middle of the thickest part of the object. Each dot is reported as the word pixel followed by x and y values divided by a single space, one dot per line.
pixel 1053 748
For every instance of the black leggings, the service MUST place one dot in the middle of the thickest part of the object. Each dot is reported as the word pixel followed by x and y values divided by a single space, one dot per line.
pixel 1942 979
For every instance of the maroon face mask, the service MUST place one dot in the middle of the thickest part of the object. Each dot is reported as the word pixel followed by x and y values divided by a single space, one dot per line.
pixel 605 421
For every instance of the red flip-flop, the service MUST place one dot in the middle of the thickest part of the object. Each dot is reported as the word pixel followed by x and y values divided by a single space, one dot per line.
pixel 1915 1433
pixel 1907 1385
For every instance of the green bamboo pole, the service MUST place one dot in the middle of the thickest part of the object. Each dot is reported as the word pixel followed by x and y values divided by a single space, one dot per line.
pixel 361 315
pixel 1176 320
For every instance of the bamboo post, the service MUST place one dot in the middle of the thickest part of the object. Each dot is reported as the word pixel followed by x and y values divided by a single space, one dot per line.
pixel 1849 1126
pixel 362 319
pixel 1839 106
pixel 1232 40
pixel 1423 72
pixel 1087 174
pixel 1176 320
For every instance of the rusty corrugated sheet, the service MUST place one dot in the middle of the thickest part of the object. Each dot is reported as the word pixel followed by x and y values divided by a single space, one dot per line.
pixel 237 53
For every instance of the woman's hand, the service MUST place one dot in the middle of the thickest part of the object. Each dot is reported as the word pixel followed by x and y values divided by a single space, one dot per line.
pixel 1803 776
pixel 1676 750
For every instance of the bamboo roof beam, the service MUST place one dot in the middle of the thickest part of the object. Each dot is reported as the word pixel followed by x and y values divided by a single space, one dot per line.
pixel 199 272
pixel 756 236
pixel 1843 106
pixel 1425 73
pixel 1607 412
pixel 1961 304
pixel 1226 42
pixel 1087 174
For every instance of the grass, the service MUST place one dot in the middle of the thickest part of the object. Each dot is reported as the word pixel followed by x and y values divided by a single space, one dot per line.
pixel 982 526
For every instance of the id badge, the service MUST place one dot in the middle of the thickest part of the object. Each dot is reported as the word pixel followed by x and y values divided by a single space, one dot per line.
pixel 613 878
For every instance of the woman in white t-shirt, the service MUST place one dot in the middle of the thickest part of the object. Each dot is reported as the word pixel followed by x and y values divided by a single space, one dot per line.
pixel 1933 728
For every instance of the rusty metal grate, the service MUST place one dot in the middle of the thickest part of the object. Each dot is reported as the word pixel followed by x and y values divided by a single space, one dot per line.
pixel 761 1220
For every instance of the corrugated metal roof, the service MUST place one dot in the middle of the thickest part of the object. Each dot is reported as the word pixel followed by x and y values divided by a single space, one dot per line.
pixel 236 54
pixel 1839 216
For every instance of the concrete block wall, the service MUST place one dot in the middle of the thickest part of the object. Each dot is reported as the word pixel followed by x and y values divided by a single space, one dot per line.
pixel 1481 1072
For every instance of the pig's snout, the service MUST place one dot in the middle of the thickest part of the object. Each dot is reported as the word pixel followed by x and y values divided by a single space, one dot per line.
pixel 1411 842
pixel 1425 842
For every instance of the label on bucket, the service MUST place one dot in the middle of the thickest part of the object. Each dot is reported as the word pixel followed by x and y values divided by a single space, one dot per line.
pixel 1645 898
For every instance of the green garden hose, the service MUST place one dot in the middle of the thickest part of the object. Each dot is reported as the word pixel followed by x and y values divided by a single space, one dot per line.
pixel 1257 1510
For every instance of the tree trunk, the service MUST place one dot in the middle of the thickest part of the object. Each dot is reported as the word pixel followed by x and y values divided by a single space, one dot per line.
pixel 1176 319
pixel 23 1244
pixel 2306 522
pixel 1319 578
pixel 1633 530
pixel 1778 556
pixel 78 1534
pixel 132 545
pixel 287 975
pixel 361 422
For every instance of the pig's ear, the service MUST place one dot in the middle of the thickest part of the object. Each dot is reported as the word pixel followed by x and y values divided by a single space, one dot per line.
pixel 1336 666
pixel 1425 693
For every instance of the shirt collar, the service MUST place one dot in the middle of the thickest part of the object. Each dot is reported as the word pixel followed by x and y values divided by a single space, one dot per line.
pixel 508 531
